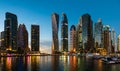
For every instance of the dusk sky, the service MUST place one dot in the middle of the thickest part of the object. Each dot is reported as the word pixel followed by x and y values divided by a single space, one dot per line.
pixel 39 12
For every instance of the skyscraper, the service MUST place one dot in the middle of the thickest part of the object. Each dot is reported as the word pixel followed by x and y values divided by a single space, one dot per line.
pixel 113 40
pixel 55 27
pixel 87 32
pixel 64 33
pixel 98 33
pixel 106 38
pixel 22 42
pixel 10 29
pixel 35 37
pixel 2 47
pixel 73 39
pixel 118 44
pixel 79 37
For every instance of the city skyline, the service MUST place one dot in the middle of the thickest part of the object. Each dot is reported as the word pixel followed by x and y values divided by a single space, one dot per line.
pixel 41 17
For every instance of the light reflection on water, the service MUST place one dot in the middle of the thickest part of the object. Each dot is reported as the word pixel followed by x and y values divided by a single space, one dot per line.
pixel 54 63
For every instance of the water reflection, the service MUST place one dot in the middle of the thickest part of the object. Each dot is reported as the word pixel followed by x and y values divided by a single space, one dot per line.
pixel 54 63
pixel 73 63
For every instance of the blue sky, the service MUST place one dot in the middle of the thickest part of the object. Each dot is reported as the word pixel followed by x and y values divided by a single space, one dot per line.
pixel 39 12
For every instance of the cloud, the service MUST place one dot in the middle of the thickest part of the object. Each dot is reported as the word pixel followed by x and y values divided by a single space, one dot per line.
pixel 45 47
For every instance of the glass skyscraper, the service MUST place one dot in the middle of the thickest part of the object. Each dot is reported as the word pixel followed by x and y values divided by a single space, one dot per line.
pixel 22 38
pixel 10 29
pixel 64 33
pixel 2 40
pixel 55 28
pixel 79 37
pixel 35 37
pixel 113 40
pixel 87 32
pixel 98 34
pixel 72 39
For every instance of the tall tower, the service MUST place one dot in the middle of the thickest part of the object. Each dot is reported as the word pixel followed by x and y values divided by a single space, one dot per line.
pixel 64 33
pixel 2 40
pixel 106 38
pixel 73 39
pixel 87 32
pixel 55 28
pixel 22 38
pixel 35 37
pixel 79 37
pixel 118 44
pixel 98 34
pixel 10 29
pixel 113 39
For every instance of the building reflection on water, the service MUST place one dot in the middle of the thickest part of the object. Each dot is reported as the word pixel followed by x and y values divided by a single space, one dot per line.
pixel 73 63
pixel 54 63
pixel 35 63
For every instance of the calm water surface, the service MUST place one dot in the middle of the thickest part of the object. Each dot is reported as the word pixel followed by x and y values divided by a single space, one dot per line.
pixel 54 63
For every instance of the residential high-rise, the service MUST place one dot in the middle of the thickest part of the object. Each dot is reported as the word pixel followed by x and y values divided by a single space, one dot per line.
pixel 72 39
pixel 2 47
pixel 10 29
pixel 79 37
pixel 64 33
pixel 35 37
pixel 118 44
pixel 106 38
pixel 98 34
pixel 113 40
pixel 22 42
pixel 87 32
pixel 55 27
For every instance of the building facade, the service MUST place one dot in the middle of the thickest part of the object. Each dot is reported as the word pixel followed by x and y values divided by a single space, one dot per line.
pixel 35 37
pixel 79 37
pixel 113 40
pixel 10 29
pixel 118 43
pixel 87 32
pixel 73 39
pixel 55 28
pixel 106 38
pixel 2 47
pixel 64 33
pixel 22 42
pixel 98 34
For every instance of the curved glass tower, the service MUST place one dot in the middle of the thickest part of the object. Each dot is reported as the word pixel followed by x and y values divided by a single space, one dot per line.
pixel 55 27
pixel 64 33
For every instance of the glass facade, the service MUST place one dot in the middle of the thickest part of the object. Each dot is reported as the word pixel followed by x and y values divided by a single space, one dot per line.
pixel 2 40
pixel 118 43
pixel 22 42
pixel 79 37
pixel 98 34
pixel 35 37
pixel 72 39
pixel 10 29
pixel 87 32
pixel 55 27
pixel 113 40
pixel 64 33
pixel 106 37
